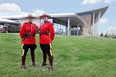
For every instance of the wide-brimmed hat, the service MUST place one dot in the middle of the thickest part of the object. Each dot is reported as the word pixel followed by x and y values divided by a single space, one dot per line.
pixel 30 16
pixel 44 15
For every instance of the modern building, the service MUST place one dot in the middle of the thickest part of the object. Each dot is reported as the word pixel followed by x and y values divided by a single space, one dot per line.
pixel 4 23
pixel 83 23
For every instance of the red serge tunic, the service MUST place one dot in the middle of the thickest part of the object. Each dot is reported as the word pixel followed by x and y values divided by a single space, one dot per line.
pixel 31 29
pixel 46 38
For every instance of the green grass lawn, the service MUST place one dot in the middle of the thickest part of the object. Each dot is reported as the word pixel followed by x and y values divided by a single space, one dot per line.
pixel 73 57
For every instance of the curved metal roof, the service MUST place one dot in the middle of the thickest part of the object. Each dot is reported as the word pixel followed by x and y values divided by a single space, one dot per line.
pixel 74 18
pixel 9 21
pixel 96 11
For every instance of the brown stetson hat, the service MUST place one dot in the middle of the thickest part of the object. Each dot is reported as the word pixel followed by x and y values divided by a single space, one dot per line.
pixel 30 16
pixel 44 15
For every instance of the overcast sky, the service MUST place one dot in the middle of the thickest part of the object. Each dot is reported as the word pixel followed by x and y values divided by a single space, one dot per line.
pixel 64 6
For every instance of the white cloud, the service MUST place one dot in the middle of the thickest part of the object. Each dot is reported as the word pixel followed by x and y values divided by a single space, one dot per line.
pixel 84 2
pixel 9 7
pixel 38 12
pixel 108 1
pixel 90 1
pixel 103 20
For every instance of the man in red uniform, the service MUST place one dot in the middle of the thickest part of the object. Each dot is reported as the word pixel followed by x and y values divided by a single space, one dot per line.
pixel 46 37
pixel 27 34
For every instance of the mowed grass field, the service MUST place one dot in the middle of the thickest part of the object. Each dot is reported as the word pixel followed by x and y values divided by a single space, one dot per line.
pixel 73 57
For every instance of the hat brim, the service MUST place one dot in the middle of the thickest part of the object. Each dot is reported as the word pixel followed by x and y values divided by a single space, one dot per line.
pixel 44 16
pixel 30 17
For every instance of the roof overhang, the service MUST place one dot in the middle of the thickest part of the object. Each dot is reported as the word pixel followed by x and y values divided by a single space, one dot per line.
pixel 7 21
pixel 96 12
pixel 74 18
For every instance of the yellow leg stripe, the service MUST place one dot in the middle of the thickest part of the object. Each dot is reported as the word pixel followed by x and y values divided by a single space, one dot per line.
pixel 22 50
pixel 51 49
pixel 22 45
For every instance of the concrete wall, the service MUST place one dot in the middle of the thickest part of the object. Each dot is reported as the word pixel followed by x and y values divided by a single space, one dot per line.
pixel 36 21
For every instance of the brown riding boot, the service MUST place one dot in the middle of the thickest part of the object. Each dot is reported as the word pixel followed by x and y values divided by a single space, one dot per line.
pixel 44 59
pixel 23 63
pixel 51 63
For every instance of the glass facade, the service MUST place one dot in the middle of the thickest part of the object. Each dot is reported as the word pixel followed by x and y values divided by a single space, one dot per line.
pixel 60 26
